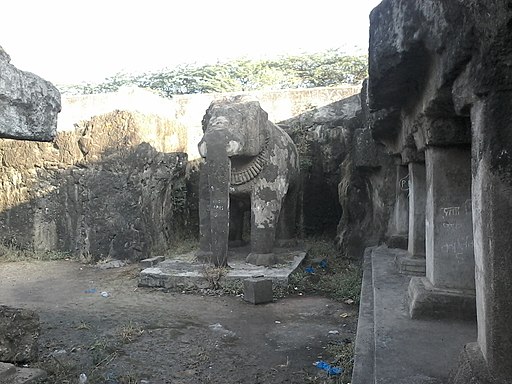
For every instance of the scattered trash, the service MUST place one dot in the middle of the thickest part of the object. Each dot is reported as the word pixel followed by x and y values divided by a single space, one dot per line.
pixel 333 332
pixel 331 371
pixel 82 379
pixel 90 290
pixel 59 352
pixel 105 294
pixel 349 301
pixel 285 365
pixel 216 327
pixel 345 314
pixel 226 333
pixel 310 269
pixel 323 264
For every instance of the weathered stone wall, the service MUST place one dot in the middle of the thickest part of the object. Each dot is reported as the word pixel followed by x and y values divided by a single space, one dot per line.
pixel 109 188
pixel 347 178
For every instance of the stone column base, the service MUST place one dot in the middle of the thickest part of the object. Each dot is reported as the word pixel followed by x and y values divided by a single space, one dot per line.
pixel 472 368
pixel 427 301
pixel 411 265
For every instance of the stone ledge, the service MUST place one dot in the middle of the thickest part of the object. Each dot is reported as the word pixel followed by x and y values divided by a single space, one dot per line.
pixel 427 301
pixel 364 352
pixel 391 348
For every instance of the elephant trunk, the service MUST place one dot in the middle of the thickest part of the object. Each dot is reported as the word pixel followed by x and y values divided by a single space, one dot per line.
pixel 219 172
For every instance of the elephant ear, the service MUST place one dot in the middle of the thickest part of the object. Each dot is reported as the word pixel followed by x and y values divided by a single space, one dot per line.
pixel 255 121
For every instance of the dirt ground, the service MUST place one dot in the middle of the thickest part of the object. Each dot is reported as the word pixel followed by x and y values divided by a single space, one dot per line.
pixel 142 335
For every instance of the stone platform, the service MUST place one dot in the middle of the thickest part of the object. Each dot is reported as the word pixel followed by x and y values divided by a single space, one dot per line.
pixel 391 348
pixel 185 271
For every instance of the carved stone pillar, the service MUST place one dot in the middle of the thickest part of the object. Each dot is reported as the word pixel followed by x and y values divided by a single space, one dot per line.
pixel 400 220
pixel 414 262
pixel 449 286
pixel 417 202
pixel 490 359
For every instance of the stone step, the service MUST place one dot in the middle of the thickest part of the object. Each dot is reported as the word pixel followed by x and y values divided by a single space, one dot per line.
pixel 404 351
pixel 364 353
pixel 10 374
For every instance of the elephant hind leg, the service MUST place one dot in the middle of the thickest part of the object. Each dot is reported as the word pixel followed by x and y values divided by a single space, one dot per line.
pixel 238 207
pixel 287 224
pixel 264 214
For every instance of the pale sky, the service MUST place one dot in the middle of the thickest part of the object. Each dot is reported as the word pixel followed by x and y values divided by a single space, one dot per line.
pixel 87 40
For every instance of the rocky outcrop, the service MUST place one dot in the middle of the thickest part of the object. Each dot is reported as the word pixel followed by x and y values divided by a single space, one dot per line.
pixel 346 176
pixel 366 189
pixel 109 188
pixel 322 135
pixel 19 333
pixel 28 103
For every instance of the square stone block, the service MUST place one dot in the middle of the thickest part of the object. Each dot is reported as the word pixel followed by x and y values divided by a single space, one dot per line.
pixel 258 290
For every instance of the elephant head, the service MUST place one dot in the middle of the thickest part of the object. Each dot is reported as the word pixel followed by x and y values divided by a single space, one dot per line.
pixel 234 146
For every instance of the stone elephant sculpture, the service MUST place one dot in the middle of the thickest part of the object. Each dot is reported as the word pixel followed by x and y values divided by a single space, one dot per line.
pixel 250 163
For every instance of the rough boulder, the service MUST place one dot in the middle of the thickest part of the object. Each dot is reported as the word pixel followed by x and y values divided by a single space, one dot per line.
pixel 28 103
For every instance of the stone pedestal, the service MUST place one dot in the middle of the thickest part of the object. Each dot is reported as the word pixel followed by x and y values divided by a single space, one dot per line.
pixel 450 263
pixel 414 263
pixel 400 220
pixel 490 360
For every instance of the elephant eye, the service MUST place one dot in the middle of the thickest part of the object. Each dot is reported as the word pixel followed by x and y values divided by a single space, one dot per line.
pixel 220 120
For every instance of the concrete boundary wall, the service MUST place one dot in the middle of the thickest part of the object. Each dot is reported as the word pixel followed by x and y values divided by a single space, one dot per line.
pixel 188 110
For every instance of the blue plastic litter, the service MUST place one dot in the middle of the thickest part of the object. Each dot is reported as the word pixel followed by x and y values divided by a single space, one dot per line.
pixel 310 269
pixel 332 371
pixel 90 290
pixel 323 264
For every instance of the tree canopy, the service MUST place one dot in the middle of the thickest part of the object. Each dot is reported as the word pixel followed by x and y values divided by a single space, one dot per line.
pixel 328 68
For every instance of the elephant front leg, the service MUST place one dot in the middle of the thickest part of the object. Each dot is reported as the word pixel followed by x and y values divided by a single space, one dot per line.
pixel 265 209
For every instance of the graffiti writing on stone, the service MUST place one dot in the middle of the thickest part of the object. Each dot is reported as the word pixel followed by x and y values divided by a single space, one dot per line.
pixel 458 246
pixel 456 230
pixel 452 226
pixel 404 183
pixel 450 211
